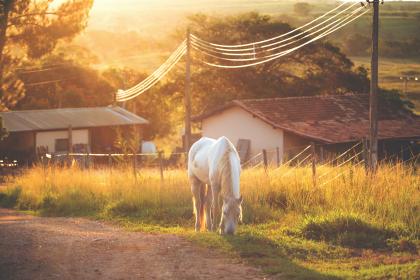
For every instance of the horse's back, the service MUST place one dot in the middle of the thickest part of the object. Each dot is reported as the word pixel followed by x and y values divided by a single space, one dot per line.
pixel 198 159
pixel 206 155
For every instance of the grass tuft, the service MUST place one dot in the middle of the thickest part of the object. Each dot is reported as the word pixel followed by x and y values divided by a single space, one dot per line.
pixel 347 230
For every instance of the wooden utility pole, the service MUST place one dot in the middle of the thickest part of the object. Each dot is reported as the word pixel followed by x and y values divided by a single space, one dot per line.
pixel 187 97
pixel 373 109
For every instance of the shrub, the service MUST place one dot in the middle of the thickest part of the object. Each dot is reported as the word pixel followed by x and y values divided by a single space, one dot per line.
pixel 10 197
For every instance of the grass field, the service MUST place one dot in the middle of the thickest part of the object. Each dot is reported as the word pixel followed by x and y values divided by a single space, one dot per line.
pixel 351 225
pixel 390 71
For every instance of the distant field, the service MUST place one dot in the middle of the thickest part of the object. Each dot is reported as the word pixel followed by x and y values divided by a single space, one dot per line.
pixel 390 71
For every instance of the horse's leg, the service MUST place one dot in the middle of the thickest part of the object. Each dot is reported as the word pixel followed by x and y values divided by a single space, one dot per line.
pixel 208 198
pixel 196 187
pixel 215 206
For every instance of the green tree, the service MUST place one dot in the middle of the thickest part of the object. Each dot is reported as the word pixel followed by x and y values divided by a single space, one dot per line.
pixel 30 29
pixel 157 105
pixel 69 84
pixel 357 44
pixel 320 68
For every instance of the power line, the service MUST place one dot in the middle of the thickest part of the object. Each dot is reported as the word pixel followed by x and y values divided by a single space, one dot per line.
pixel 282 35
pixel 48 82
pixel 45 69
pixel 218 51
pixel 254 58
pixel 155 77
pixel 157 73
pixel 57 65
pixel 255 46
pixel 283 53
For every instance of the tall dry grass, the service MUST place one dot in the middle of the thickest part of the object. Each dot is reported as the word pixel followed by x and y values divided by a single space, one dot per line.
pixel 390 197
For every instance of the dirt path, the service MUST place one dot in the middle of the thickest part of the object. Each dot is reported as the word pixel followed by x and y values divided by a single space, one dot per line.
pixel 75 248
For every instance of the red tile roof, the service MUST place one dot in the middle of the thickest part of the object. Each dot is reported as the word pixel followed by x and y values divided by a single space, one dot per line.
pixel 330 119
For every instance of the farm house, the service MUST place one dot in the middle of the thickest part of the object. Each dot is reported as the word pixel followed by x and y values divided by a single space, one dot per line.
pixel 283 126
pixel 55 131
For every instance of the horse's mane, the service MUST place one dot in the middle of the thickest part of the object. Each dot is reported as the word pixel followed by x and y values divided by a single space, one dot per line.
pixel 226 172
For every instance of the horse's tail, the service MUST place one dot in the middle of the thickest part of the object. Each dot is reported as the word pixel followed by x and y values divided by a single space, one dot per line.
pixel 203 217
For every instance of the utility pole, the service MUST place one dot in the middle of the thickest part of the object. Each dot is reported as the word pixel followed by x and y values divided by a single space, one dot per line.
pixel 187 97
pixel 373 100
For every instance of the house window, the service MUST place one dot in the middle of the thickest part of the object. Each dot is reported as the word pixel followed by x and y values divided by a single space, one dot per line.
pixel 61 145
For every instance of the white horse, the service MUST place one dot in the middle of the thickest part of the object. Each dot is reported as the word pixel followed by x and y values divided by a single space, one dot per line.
pixel 213 169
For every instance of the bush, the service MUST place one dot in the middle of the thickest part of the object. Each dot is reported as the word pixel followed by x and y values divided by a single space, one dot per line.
pixel 10 197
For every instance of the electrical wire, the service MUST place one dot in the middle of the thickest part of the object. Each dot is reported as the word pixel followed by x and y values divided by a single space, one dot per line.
pixel 338 25
pixel 327 32
pixel 200 48
pixel 282 35
pixel 124 95
pixel 131 96
pixel 145 86
pixel 45 69
pixel 156 74
pixel 258 47
pixel 254 47
pixel 156 77
pixel 47 82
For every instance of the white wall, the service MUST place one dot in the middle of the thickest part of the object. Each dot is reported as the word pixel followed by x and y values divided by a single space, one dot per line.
pixel 47 138
pixel 236 123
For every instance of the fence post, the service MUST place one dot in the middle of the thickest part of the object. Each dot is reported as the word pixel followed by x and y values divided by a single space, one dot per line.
pixel 135 165
pixel 313 164
pixel 109 160
pixel 70 144
pixel 87 163
pixel 265 162
pixel 278 156
pixel 160 165
pixel 365 153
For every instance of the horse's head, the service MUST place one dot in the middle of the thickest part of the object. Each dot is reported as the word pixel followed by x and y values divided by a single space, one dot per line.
pixel 231 215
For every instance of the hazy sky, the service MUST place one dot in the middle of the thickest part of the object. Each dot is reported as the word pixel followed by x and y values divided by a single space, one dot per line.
pixel 116 14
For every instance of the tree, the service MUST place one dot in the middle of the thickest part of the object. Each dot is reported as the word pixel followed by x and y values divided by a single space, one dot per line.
pixel 357 44
pixel 319 69
pixel 30 29
pixel 3 131
pixel 69 83
pixel 302 9
pixel 158 105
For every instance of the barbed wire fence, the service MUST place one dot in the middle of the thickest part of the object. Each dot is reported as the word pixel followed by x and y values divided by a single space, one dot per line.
pixel 290 160
pixel 306 156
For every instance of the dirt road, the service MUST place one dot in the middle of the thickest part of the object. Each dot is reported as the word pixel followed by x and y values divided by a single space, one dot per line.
pixel 75 248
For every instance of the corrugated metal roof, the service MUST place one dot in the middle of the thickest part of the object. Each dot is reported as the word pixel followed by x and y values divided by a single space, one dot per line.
pixel 53 119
